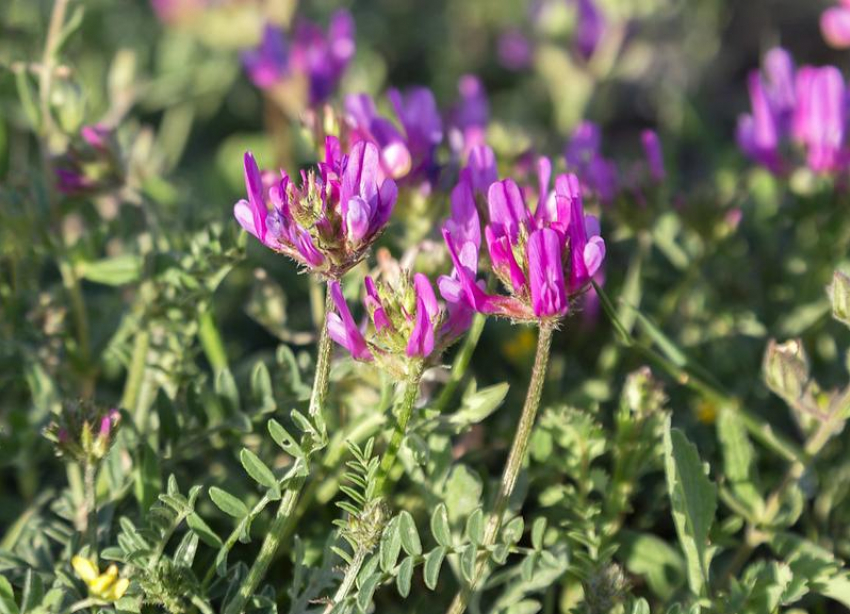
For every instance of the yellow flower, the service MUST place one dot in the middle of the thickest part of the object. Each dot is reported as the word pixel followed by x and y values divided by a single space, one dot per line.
pixel 107 586
pixel 706 412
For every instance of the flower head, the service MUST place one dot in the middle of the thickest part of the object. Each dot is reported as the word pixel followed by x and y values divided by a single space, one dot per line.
pixel 407 322
pixel 408 153
pixel 835 26
pixel 328 223
pixel 541 258
pixel 92 163
pixel 804 108
pixel 84 432
pixel 107 585
pixel 319 58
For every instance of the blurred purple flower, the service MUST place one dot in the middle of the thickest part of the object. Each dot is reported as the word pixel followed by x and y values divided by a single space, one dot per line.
pixel 268 63
pixel 806 107
pixel 91 164
pixel 409 155
pixel 330 221
pixel 514 50
pixel 320 58
pixel 654 155
pixel 590 27
pixel 584 157
pixel 835 26
pixel 468 119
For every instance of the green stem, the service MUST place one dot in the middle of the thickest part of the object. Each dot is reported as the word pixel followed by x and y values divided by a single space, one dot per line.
pixel 136 371
pixel 211 340
pixel 348 581
pixel 402 418
pixel 288 503
pixel 513 464
pixel 461 362
pixel 323 364
pixel 90 486
pixel 71 283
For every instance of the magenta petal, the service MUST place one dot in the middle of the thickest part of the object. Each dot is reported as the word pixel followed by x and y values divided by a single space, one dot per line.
pixel 342 328
pixel 421 342
pixel 477 298
pixel 507 207
pixel 546 273
pixel 254 185
pixel 425 292
pixel 357 216
pixel 464 223
pixel 482 169
pixel 594 254
pixel 654 155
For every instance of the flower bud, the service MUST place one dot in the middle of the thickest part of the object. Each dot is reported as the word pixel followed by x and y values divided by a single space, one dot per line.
pixel 786 369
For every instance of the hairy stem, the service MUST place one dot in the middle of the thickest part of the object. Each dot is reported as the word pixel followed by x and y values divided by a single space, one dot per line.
pixel 513 464
pixel 323 363
pixel 402 418
pixel 349 579
pixel 90 488
pixel 288 503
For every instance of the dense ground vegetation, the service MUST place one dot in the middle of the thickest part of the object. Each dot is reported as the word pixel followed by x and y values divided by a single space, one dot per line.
pixel 395 306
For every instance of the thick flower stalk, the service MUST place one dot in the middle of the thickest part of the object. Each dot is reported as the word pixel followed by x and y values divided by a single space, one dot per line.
pixel 329 222
pixel 542 258
pixel 320 59
pixel 791 108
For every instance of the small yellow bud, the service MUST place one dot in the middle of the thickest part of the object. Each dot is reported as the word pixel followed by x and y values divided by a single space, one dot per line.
pixel 117 590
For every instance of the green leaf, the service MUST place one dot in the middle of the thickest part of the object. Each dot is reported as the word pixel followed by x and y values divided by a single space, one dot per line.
pixel 115 271
pixel 475 527
pixel 694 500
pixel 7 598
pixel 468 558
pixel 258 470
pixel 197 524
pixel 737 450
pixel 527 567
pixel 462 492
pixel 652 558
pixel 184 554
pixel 409 535
pixel 640 607
pixel 477 405
pixel 367 589
pixel 512 532
pixel 227 391
pixel 33 592
pixel 390 546
pixel 538 530
pixel 283 439
pixel 228 504
pixel 440 526
pixel 405 575
pixel 433 562
pixel 261 388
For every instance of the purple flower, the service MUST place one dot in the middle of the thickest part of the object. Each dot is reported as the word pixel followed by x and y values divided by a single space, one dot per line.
pixel 330 221
pixel 590 27
pixel 654 155
pixel 528 252
pixel 324 58
pixel 342 329
pixel 318 57
pixel 468 119
pixel 584 157
pixel 835 26
pixel 407 321
pixel 482 169
pixel 268 64
pixel 514 50
pixel 806 108
pixel 91 164
pixel 410 154
pixel 822 117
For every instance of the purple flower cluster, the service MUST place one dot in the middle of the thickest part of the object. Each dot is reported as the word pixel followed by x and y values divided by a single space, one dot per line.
pixel 407 321
pixel 91 164
pixel 328 223
pixel 529 250
pixel 804 108
pixel 312 54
